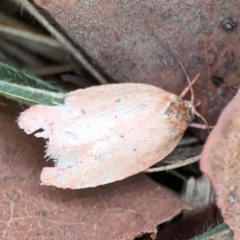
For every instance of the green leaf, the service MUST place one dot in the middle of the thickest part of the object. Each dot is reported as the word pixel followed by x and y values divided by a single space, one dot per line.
pixel 30 96
pixel 13 75
pixel 27 89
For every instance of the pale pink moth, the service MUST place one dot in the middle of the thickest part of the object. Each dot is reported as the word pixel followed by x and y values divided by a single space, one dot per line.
pixel 106 133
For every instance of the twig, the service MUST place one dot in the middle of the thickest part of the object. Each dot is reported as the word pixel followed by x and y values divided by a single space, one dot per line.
pixel 25 34
pixel 174 165
pixel 49 70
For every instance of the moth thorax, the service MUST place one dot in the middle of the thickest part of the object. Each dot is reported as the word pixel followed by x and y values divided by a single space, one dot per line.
pixel 179 110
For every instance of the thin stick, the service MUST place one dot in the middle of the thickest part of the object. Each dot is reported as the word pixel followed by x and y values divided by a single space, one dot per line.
pixel 175 165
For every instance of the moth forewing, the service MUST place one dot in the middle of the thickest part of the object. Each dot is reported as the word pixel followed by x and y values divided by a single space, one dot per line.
pixel 106 133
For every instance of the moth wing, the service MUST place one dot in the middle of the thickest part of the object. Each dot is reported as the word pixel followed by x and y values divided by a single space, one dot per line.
pixel 106 133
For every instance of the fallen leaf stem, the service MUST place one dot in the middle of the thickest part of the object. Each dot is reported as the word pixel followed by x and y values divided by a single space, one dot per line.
pixel 174 165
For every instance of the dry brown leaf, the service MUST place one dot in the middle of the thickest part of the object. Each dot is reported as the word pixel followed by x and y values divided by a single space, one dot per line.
pixel 29 211
pixel 220 161
pixel 123 37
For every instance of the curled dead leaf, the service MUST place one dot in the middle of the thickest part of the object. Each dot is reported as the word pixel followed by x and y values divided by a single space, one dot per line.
pixel 220 161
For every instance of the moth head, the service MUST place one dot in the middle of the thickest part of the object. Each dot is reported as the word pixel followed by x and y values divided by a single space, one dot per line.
pixel 193 111
pixel 191 108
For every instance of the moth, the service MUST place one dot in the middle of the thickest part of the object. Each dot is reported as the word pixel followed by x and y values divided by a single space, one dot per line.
pixel 106 133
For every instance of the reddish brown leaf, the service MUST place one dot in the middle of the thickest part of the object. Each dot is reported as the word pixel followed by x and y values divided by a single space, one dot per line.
pixel 123 37
pixel 29 211
pixel 220 161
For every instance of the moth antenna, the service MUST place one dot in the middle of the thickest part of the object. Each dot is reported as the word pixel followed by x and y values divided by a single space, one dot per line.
pixel 179 62
pixel 190 83
pixel 188 79
pixel 189 87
